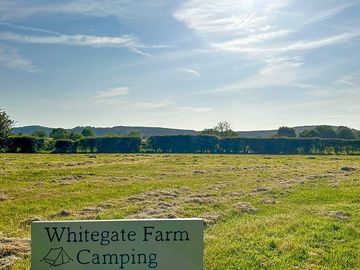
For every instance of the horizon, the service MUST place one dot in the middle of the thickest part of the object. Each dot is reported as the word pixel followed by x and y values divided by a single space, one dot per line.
pixel 184 64
pixel 197 130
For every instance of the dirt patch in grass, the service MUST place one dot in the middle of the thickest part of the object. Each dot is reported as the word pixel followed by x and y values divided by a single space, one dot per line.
pixel 79 163
pixel 158 203
pixel 205 198
pixel 337 214
pixel 347 169
pixel 61 213
pixel 321 176
pixel 259 167
pixel 31 219
pixel 269 201
pixel 117 179
pixel 167 203
pixel 199 172
pixel 221 185
pixel 93 211
pixel 158 195
pixel 261 189
pixel 4 197
pixel 211 219
pixel 12 249
pixel 68 179
pixel 245 207
pixel 160 210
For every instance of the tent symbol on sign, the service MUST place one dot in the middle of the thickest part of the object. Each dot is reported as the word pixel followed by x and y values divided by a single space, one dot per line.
pixel 56 257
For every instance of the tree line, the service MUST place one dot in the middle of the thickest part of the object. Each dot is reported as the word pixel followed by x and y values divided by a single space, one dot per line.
pixel 220 139
pixel 322 131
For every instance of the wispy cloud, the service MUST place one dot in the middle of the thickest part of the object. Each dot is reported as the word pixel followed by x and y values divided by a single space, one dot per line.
pixel 257 38
pixel 125 41
pixel 331 12
pixel 153 105
pixel 194 109
pixel 349 79
pixel 253 27
pixel 111 95
pixel 189 71
pixel 234 46
pixel 27 28
pixel 276 35
pixel 80 40
pixel 222 17
pixel 10 58
pixel 13 9
pixel 278 71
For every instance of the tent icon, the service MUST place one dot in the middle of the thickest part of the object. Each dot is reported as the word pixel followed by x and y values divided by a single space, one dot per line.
pixel 56 257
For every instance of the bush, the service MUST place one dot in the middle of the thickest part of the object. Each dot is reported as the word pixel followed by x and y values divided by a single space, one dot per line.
pixel 209 144
pixel 109 145
pixel 20 144
pixel 184 144
pixel 64 146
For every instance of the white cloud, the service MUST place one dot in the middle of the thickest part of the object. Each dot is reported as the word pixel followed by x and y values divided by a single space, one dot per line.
pixel 224 16
pixel 111 94
pixel 276 35
pixel 331 12
pixel 13 9
pixel 280 71
pixel 234 47
pixel 251 27
pixel 26 28
pixel 124 41
pixel 351 79
pixel 194 109
pixel 10 58
pixel 189 71
pixel 158 104
pixel 235 44
pixel 80 40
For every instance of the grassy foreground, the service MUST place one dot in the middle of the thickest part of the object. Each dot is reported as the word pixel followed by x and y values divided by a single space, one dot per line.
pixel 261 212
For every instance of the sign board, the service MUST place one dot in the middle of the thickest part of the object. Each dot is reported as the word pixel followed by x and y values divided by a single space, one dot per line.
pixel 161 244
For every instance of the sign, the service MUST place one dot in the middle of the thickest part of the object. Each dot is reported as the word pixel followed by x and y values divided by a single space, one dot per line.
pixel 161 244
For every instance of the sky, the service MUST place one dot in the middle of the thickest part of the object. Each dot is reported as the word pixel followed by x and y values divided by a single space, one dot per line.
pixel 257 64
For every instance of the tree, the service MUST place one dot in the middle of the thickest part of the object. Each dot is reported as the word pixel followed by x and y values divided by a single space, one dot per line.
pixel 309 133
pixel 39 133
pixel 222 130
pixel 326 131
pixel 88 132
pixel 345 133
pixel 75 136
pixel 135 134
pixel 6 124
pixel 223 126
pixel 59 134
pixel 286 132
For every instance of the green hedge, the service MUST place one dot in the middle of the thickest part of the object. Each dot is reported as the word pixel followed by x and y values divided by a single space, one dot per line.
pixel 210 144
pixel 184 144
pixel 64 146
pixel 109 145
pixel 20 144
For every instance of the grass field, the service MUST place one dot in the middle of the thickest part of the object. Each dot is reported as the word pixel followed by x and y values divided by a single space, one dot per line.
pixel 261 212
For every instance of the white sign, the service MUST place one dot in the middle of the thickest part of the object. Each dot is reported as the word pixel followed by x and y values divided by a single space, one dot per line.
pixel 161 244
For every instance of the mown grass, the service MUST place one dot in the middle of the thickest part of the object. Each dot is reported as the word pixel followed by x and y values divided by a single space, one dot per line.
pixel 303 212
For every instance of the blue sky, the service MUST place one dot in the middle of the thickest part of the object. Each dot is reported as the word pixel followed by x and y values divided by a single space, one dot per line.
pixel 258 64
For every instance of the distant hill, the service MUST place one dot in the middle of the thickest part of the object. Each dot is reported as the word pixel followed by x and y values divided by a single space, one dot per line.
pixel 30 129
pixel 157 131
pixel 270 133
pixel 119 130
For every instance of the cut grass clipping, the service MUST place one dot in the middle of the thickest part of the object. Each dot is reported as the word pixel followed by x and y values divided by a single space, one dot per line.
pixel 260 212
